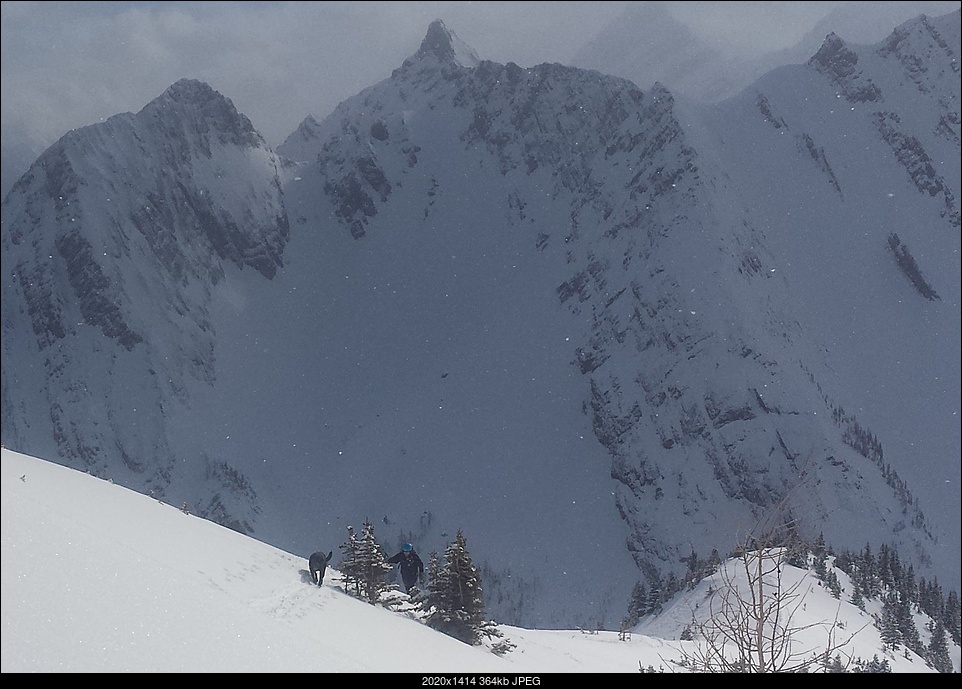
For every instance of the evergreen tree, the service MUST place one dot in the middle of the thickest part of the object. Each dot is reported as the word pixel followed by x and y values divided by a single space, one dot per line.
pixel 885 568
pixel 693 572
pixel 364 566
pixel 951 617
pixel 637 604
pixel 908 586
pixel 427 593
pixel 714 562
pixel 831 580
pixel 874 665
pixel 889 628
pixel 895 567
pixel 798 555
pixel 930 598
pixel 433 568
pixel 671 586
pixel 937 652
pixel 868 574
pixel 653 605
pixel 454 600
pixel 821 570
pixel 905 621
pixel 857 599
pixel 819 550
pixel 845 562
pixel 348 565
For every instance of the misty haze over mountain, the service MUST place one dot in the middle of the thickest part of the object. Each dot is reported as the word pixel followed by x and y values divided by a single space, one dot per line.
pixel 590 324
pixel 681 53
pixel 67 64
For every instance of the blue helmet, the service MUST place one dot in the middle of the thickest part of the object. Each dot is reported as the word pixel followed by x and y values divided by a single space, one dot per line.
pixel 407 547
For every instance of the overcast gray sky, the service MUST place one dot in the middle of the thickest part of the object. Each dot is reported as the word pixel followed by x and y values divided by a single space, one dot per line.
pixel 69 64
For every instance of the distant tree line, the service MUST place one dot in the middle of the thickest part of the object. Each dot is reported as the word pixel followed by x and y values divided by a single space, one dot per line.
pixel 882 576
pixel 876 575
pixel 868 445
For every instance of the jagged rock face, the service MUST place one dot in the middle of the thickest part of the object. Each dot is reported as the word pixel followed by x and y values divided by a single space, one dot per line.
pixel 112 243
pixel 580 174
pixel 867 140
pixel 838 62
pixel 446 48
pixel 926 49
pixel 571 317
pixel 907 53
pixel 700 380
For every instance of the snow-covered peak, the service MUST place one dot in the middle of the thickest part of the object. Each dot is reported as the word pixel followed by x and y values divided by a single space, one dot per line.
pixel 680 360
pixel 923 34
pixel 832 47
pixel 121 231
pixel 302 141
pixel 442 44
pixel 198 106
pixel 840 63
pixel 189 91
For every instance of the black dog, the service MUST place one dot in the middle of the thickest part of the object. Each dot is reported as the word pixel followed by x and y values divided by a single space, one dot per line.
pixel 318 564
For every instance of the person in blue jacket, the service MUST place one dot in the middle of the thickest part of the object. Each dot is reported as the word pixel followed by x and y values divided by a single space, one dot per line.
pixel 412 569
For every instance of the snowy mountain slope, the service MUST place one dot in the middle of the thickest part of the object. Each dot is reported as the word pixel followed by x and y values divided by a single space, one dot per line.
pixel 862 24
pixel 808 611
pixel 685 345
pixel 647 43
pixel 154 590
pixel 197 597
pixel 780 391
pixel 112 244
pixel 552 308
pixel 454 380
pixel 850 162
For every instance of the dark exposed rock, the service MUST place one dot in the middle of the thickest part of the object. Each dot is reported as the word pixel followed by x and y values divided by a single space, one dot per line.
pixel 97 300
pixel 908 266
pixel 912 156
pixel 838 62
